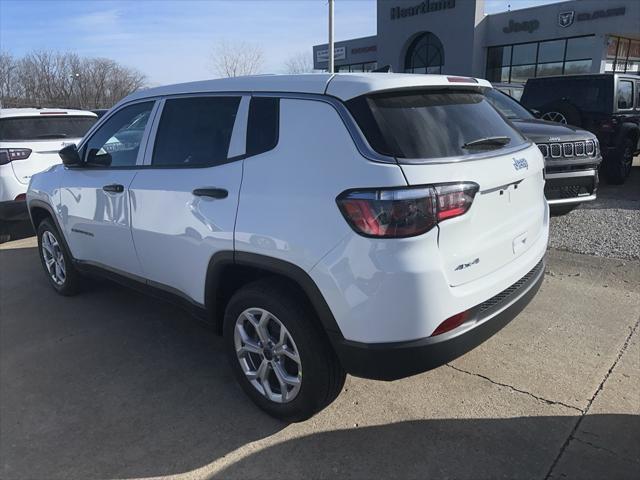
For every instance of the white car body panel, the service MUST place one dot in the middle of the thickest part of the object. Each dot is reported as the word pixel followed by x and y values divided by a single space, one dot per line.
pixel 282 205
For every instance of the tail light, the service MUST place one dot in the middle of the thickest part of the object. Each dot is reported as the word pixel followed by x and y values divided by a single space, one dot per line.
pixel 404 212
pixel 10 154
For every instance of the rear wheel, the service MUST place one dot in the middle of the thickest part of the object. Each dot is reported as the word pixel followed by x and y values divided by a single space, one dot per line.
pixel 56 260
pixel 617 167
pixel 562 112
pixel 278 353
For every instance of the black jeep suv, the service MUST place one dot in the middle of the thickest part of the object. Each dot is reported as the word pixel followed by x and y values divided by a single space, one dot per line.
pixel 606 104
pixel 571 155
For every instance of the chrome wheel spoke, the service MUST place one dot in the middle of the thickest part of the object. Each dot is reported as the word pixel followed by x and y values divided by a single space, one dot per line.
pixel 273 369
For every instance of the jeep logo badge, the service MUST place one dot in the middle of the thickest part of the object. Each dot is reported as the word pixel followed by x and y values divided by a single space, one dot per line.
pixel 520 163
pixel 565 19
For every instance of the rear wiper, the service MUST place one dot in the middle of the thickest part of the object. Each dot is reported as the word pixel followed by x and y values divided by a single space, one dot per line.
pixel 497 141
pixel 52 135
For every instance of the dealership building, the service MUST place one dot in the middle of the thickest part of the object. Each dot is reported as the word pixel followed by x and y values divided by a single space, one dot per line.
pixel 456 37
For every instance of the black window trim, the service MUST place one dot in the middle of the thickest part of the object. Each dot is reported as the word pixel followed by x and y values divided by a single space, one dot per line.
pixel 247 125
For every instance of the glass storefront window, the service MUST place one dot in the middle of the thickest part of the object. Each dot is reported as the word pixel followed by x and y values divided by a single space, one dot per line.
pixel 525 53
pixel 548 69
pixel 516 63
pixel 520 74
pixel 551 51
pixel 577 66
pixel 579 48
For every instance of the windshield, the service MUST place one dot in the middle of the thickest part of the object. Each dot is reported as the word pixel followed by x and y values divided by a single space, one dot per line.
pixel 432 124
pixel 44 127
pixel 507 105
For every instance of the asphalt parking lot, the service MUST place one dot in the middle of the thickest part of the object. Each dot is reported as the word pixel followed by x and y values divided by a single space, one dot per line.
pixel 114 384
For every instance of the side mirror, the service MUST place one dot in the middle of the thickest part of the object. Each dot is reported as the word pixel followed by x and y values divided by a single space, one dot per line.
pixel 536 113
pixel 70 156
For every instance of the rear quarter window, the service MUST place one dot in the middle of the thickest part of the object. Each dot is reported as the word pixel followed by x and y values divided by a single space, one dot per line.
pixel 263 126
pixel 44 127
pixel 431 124
pixel 586 93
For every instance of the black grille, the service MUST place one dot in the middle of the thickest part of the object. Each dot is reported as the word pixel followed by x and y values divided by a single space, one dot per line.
pixel 572 187
pixel 568 149
pixel 505 296
pixel 544 149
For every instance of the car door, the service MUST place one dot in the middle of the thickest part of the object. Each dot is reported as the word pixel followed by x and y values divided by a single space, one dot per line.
pixel 184 201
pixel 94 198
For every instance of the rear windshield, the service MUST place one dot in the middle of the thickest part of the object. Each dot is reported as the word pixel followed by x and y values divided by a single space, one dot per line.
pixel 588 93
pixel 44 127
pixel 432 124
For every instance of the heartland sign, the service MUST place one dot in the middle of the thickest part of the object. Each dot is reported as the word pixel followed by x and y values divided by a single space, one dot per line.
pixel 420 9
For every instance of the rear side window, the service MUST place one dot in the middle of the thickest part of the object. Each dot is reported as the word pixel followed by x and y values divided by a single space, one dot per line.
pixel 195 131
pixel 432 124
pixel 263 126
pixel 44 127
pixel 588 93
pixel 625 94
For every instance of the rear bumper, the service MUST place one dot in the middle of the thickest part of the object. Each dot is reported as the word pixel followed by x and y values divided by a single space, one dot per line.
pixel 13 210
pixel 571 187
pixel 391 361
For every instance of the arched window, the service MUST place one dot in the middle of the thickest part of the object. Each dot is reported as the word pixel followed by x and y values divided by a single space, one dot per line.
pixel 424 55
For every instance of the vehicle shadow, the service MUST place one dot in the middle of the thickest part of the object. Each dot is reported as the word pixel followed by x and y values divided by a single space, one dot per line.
pixel 624 197
pixel 110 383
pixel 489 448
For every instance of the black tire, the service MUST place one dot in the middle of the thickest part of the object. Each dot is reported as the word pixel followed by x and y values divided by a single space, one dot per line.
pixel 323 376
pixel 617 167
pixel 559 210
pixel 71 283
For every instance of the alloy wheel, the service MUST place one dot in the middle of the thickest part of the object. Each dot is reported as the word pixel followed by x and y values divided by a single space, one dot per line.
pixel 53 258
pixel 268 355
pixel 555 117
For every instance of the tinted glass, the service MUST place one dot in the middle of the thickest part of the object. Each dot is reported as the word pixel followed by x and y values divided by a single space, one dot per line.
pixel 44 127
pixel 589 93
pixel 433 124
pixel 549 69
pixel 263 125
pixel 577 66
pixel 578 48
pixel 625 94
pixel 522 73
pixel 507 105
pixel 523 54
pixel 195 131
pixel 117 141
pixel 551 51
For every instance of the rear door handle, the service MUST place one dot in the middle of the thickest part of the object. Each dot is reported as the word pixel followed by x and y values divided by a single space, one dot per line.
pixel 211 192
pixel 113 188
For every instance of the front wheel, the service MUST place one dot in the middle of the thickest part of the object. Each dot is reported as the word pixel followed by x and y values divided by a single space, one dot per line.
pixel 56 260
pixel 279 354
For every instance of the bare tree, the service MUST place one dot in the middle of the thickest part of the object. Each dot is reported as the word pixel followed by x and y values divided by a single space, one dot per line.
pixel 237 59
pixel 299 63
pixel 44 78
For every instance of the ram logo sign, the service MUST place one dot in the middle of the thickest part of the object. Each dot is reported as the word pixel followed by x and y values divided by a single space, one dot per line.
pixel 565 19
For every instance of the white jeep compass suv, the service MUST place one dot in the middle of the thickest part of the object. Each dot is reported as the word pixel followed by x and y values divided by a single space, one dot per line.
pixel 374 224
pixel 30 139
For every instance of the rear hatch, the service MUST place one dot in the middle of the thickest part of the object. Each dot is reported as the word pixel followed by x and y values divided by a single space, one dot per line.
pixel 44 136
pixel 455 135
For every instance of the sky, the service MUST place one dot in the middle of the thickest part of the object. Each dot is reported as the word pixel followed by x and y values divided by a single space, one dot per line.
pixel 172 41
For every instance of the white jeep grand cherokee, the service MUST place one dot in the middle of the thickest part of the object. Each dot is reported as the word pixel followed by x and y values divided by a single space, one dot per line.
pixel 374 224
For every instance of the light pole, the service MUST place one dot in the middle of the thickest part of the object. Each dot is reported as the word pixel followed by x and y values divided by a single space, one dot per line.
pixel 331 59
pixel 73 77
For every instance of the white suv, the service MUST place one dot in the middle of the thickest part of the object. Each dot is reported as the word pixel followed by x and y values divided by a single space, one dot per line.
pixel 30 139
pixel 374 224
